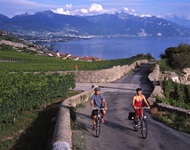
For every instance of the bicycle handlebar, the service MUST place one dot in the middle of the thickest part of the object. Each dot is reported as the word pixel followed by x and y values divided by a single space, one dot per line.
pixel 141 108
pixel 98 109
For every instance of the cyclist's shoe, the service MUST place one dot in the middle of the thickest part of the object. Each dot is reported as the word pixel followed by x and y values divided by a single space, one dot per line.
pixel 102 120
pixel 93 127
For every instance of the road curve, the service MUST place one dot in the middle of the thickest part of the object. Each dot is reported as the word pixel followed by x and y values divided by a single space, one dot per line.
pixel 117 132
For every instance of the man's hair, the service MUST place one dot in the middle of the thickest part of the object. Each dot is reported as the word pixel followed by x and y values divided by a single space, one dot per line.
pixel 97 89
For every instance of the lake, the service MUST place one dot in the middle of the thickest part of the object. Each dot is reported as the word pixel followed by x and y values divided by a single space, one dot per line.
pixel 119 47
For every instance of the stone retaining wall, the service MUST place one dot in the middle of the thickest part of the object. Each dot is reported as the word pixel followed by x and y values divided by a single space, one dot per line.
pixel 154 77
pixel 62 138
pixel 104 75
pixel 169 108
pixel 101 76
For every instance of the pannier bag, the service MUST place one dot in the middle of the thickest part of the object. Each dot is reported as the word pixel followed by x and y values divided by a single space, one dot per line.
pixel 131 116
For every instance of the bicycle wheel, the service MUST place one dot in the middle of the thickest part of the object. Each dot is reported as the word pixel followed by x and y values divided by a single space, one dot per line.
pixel 98 126
pixel 144 129
pixel 135 126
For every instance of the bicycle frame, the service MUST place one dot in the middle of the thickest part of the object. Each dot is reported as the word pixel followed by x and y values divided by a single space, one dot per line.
pixel 141 124
pixel 98 121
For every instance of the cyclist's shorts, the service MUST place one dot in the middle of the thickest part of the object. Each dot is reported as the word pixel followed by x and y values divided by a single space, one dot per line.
pixel 95 112
pixel 139 112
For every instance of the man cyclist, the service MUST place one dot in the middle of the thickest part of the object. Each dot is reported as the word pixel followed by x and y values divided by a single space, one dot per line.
pixel 98 101
pixel 137 102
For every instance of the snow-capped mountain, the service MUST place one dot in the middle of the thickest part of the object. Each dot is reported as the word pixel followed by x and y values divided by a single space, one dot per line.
pixel 119 24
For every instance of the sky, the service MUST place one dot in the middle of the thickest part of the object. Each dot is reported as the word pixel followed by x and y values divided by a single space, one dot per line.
pixel 159 8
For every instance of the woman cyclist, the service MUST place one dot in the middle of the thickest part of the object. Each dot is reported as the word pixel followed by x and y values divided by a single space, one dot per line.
pixel 137 103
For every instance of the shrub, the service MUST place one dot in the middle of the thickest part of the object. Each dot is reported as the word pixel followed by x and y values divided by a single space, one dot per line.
pixel 178 57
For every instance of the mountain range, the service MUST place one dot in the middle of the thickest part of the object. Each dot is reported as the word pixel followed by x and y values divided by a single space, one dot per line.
pixel 51 24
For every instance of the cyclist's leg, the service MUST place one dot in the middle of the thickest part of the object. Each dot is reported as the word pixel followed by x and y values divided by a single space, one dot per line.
pixel 94 119
pixel 136 116
pixel 103 114
pixel 94 116
pixel 141 113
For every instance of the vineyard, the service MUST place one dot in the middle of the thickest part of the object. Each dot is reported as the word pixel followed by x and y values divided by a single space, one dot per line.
pixel 176 94
pixel 15 61
pixel 20 92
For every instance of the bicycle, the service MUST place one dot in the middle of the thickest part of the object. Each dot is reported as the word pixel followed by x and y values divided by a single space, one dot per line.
pixel 141 124
pixel 98 121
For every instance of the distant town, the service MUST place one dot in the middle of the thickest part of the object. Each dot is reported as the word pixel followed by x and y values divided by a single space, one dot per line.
pixel 58 54
pixel 42 49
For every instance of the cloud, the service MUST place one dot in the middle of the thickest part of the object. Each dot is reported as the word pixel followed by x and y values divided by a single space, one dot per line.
pixel 81 12
pixel 68 6
pixel 91 10
pixel 130 11
pixel 126 9
pixel 95 8
pixel 62 11
pixel 145 15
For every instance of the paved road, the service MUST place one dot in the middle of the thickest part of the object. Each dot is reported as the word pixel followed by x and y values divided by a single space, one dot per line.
pixel 117 132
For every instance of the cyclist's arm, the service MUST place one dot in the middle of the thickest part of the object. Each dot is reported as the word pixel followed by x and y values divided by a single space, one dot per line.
pixel 92 104
pixel 105 104
pixel 144 98
pixel 133 102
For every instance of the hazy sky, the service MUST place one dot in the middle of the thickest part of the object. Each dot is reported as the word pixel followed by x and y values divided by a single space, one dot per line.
pixel 158 8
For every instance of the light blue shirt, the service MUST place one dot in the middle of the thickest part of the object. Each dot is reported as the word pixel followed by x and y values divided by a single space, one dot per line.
pixel 98 100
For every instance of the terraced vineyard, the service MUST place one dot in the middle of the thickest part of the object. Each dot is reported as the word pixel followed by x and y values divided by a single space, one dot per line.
pixel 16 61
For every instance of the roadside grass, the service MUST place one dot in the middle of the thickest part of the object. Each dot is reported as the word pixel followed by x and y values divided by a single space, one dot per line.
pixel 79 140
pixel 80 143
pixel 33 130
pixel 73 115
pixel 175 121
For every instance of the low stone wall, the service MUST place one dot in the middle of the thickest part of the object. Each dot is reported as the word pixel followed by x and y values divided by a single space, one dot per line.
pixel 154 78
pixel 62 138
pixel 169 108
pixel 104 75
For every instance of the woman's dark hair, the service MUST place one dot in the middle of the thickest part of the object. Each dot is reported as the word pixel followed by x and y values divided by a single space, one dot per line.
pixel 138 89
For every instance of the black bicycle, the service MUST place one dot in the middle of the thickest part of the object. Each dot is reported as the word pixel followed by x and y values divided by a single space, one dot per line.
pixel 98 120
pixel 141 124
